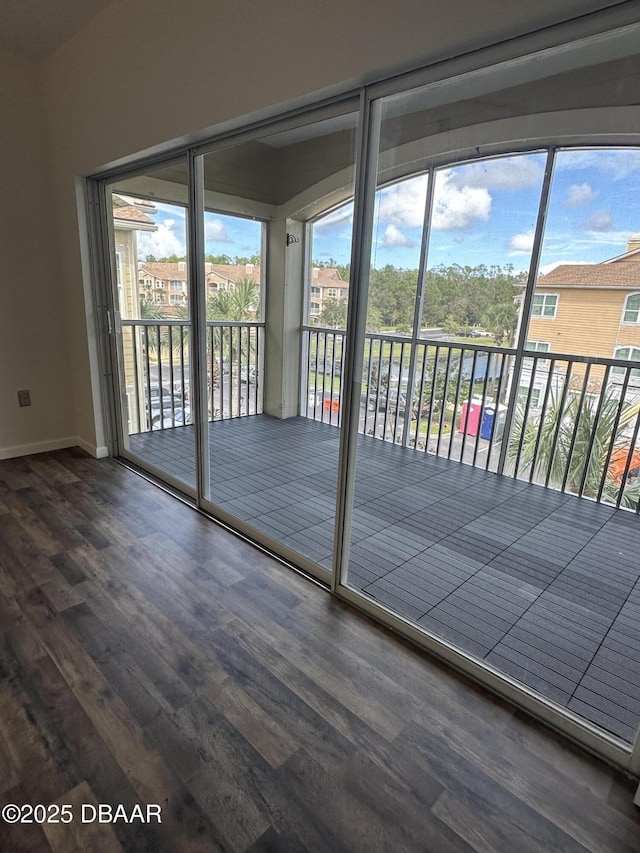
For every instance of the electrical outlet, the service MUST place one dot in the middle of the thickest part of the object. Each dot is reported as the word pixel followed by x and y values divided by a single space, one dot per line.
pixel 24 398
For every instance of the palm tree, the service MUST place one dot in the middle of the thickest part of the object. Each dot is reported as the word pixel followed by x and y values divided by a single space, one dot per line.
pixel 501 320
pixel 237 305
pixel 149 310
pixel 556 444
pixel 179 337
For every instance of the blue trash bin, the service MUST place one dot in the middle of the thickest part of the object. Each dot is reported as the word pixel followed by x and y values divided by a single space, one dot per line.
pixel 488 419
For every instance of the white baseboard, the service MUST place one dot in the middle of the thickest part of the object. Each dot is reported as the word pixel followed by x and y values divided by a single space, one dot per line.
pixel 54 444
pixel 100 452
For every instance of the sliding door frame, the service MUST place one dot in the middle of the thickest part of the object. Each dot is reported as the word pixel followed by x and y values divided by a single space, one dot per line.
pixel 614 33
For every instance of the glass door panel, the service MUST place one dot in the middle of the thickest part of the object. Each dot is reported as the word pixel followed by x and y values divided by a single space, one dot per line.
pixel 585 312
pixel 481 235
pixel 445 531
pixel 152 322
pixel 277 235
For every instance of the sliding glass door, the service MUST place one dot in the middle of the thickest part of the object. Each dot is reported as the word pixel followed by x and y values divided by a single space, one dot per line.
pixel 421 387
pixel 151 321
pixel 276 224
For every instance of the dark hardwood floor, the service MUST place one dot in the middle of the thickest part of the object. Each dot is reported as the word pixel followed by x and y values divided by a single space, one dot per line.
pixel 544 586
pixel 147 656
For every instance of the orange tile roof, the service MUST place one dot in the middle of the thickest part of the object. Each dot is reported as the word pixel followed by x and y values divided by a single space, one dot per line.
pixel 169 271
pixel 233 272
pixel 327 276
pixel 130 213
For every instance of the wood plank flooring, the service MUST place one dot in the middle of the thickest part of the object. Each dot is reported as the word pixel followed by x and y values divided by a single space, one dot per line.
pixel 149 657
pixel 544 586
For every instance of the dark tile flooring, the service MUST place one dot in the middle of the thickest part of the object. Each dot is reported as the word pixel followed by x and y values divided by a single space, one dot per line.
pixel 544 586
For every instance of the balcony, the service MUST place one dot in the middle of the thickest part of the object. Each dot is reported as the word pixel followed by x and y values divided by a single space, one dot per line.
pixel 501 516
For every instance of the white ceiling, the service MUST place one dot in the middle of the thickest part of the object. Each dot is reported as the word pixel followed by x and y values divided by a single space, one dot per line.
pixel 34 28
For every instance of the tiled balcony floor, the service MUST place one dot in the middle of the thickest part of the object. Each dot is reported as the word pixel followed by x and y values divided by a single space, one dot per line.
pixel 544 586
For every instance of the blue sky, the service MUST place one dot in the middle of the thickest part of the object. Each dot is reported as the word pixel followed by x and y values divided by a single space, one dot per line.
pixel 484 213
pixel 224 235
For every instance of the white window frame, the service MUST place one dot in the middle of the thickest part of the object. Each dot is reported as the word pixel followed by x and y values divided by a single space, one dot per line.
pixel 621 371
pixel 636 310
pixel 544 297
pixel 120 283
pixel 523 395
pixel 536 346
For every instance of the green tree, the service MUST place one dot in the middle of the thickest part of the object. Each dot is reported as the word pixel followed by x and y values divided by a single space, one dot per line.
pixel 501 319
pixel 152 335
pixel 334 314
pixel 462 295
pixel 549 445
pixel 149 310
pixel 392 294
pixel 374 319
pixel 241 303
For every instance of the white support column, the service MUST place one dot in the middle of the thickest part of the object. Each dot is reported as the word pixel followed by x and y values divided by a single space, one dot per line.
pixel 283 317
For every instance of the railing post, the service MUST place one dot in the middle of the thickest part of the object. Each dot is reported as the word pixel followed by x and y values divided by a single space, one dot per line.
pixel 526 309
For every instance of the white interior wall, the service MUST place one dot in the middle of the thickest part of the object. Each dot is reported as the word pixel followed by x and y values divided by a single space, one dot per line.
pixel 33 336
pixel 143 73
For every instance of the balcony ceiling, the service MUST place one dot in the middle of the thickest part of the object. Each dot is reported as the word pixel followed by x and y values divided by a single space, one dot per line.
pixel 33 29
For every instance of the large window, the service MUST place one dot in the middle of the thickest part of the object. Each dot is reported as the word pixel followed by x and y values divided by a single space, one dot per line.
pixel 536 346
pixel 628 354
pixel 544 305
pixel 632 309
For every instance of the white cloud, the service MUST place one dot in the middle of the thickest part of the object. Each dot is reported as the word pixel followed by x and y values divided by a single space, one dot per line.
pixel 169 239
pixel 618 164
pixel 216 230
pixel 501 173
pixel 600 221
pixel 579 194
pixel 340 216
pixel 393 236
pixel 403 204
pixel 457 207
pixel 521 242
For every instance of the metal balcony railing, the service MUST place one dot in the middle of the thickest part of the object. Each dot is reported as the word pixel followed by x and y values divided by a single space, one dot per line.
pixel 564 421
pixel 156 370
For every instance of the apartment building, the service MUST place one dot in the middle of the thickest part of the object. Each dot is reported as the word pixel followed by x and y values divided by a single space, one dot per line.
pixel 166 284
pixel 326 285
pixel 589 310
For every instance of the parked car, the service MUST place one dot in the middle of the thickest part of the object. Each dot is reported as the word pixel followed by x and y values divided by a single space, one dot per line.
pixel 248 374
pixel 396 402
pixel 168 419
pixel 327 366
